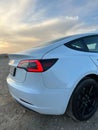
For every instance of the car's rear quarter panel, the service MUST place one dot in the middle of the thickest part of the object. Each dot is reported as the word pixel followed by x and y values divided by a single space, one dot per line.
pixel 70 68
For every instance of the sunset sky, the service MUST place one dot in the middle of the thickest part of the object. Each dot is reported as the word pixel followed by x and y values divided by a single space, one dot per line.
pixel 26 23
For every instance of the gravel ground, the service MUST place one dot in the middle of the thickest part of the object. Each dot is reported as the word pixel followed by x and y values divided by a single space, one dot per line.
pixel 15 117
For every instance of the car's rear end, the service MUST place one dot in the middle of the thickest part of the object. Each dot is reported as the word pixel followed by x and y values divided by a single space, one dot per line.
pixel 26 81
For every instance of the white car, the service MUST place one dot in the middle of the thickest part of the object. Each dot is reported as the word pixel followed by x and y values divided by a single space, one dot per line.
pixel 61 75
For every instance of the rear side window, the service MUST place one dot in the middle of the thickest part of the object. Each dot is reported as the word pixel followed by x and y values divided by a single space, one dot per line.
pixel 77 45
pixel 91 43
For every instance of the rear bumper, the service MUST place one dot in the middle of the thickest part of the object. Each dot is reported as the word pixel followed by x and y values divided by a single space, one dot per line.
pixel 45 101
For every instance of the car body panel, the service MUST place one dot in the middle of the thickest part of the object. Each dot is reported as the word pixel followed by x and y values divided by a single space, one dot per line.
pixel 42 100
pixel 73 63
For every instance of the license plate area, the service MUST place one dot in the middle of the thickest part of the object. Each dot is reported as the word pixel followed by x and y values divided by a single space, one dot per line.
pixel 12 70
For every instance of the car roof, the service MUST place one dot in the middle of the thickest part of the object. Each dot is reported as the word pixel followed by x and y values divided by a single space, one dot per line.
pixel 66 39
pixel 76 36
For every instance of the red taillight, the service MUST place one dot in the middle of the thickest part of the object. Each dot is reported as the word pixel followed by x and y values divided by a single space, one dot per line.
pixel 36 65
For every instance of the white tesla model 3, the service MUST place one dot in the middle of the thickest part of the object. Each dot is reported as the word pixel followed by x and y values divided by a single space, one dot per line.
pixel 61 75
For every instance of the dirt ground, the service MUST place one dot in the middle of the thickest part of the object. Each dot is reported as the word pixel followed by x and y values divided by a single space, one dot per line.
pixel 15 117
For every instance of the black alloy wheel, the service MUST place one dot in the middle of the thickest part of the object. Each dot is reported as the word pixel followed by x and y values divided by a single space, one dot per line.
pixel 85 99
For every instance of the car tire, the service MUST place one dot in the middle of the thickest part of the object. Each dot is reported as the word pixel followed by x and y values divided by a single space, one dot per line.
pixel 84 100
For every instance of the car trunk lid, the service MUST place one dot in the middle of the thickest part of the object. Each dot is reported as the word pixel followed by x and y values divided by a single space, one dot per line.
pixel 18 74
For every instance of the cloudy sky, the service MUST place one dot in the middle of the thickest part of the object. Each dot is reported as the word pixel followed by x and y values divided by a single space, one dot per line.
pixel 26 23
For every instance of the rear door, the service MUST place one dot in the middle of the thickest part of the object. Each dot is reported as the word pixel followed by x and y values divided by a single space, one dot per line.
pixel 92 44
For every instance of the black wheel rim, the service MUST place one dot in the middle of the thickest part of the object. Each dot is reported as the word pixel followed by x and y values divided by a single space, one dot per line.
pixel 86 101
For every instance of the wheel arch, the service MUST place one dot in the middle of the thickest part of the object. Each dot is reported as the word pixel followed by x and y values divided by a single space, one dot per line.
pixel 92 76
